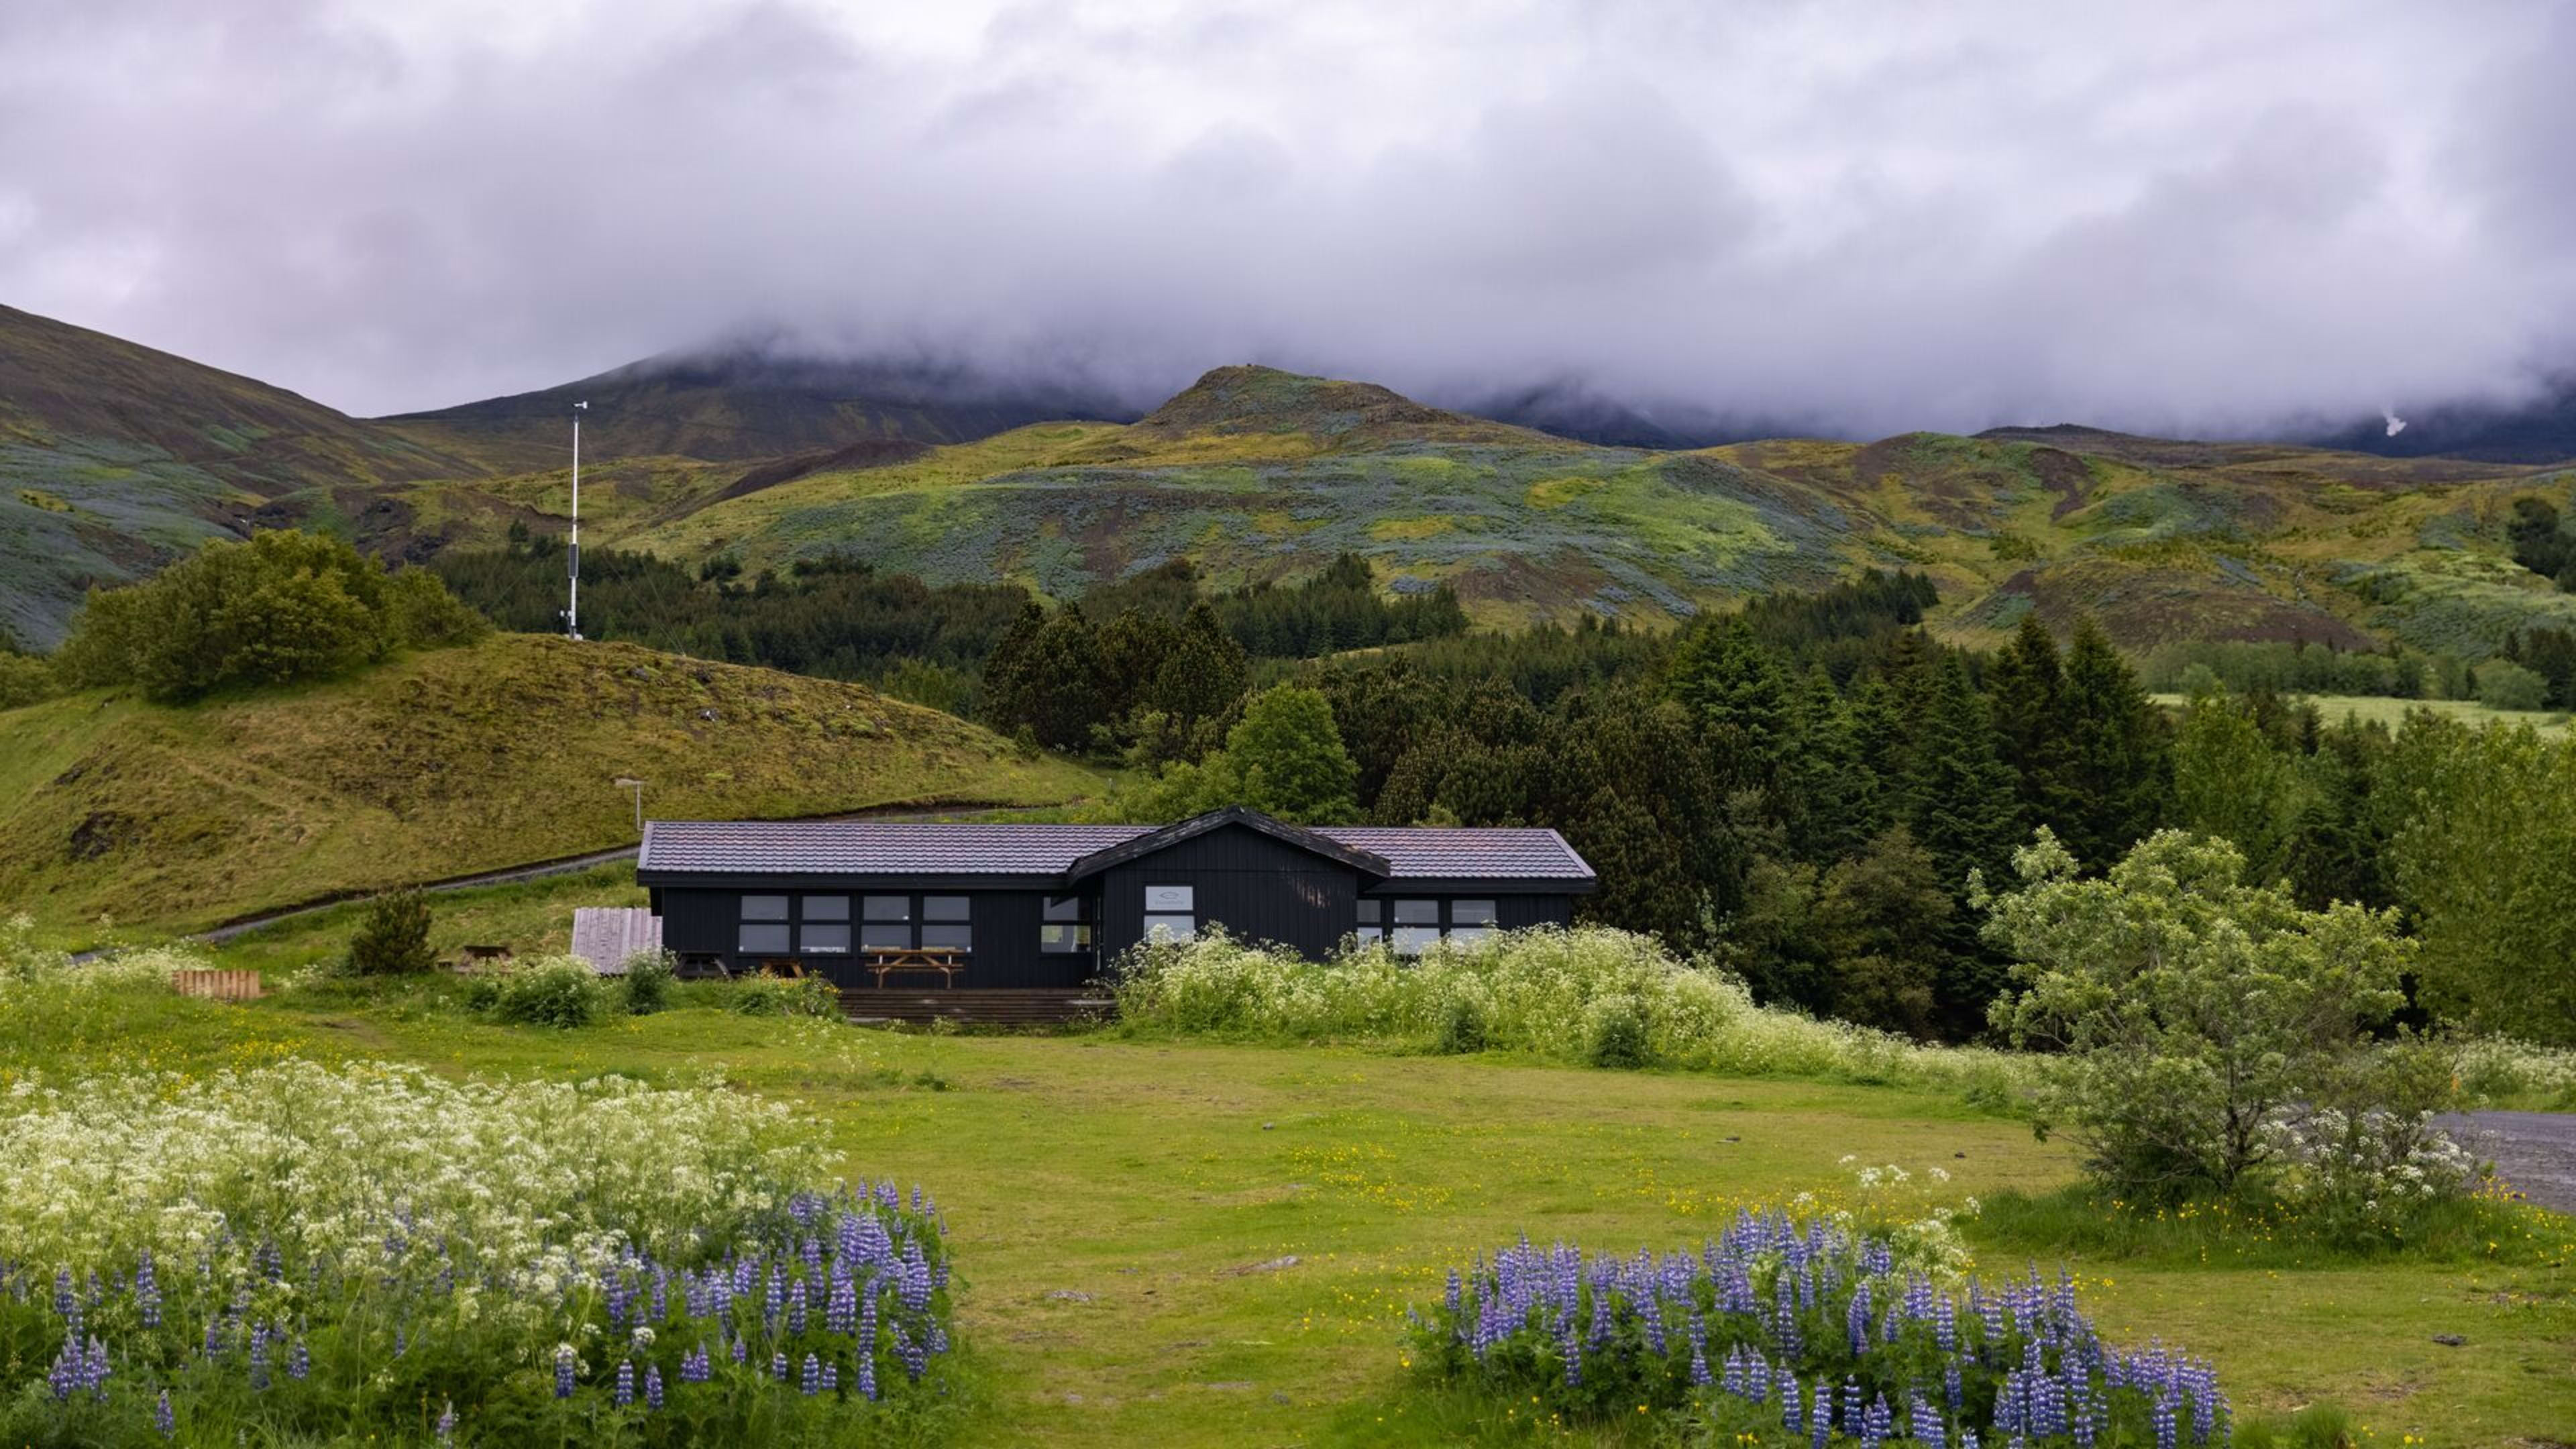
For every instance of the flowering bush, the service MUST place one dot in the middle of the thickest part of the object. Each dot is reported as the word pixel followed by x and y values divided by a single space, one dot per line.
pixel 2503 1067
pixel 375 1251
pixel 1549 992
pixel 780 996
pixel 2204 1027
pixel 560 991
pixel 1818 1329
pixel 41 971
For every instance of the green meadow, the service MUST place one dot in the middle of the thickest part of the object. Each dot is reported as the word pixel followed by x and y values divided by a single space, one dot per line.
pixel 1218 1244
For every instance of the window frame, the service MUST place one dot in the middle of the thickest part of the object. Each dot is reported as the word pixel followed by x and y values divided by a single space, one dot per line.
pixel 1076 916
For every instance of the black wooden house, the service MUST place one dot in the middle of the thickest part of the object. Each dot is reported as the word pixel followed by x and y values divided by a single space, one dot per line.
pixel 1024 906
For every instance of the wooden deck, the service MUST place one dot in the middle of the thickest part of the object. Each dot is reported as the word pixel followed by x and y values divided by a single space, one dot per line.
pixel 999 1006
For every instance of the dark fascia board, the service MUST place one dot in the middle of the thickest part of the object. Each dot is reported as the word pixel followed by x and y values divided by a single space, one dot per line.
pixel 804 880
pixel 1468 885
pixel 1365 862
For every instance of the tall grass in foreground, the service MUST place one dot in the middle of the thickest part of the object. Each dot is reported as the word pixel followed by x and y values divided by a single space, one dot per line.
pixel 377 1253
pixel 1589 994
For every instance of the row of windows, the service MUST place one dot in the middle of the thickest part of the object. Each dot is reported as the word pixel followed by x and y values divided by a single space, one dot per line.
pixel 1410 926
pixel 822 925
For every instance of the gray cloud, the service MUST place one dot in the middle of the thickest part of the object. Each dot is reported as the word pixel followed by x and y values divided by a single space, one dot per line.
pixel 2178 217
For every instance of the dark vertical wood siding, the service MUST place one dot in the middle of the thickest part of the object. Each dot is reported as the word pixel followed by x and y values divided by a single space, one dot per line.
pixel 699 923
pixel 1515 912
pixel 1258 888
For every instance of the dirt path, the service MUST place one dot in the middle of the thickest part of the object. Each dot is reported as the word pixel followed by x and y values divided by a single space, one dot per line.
pixel 2534 1152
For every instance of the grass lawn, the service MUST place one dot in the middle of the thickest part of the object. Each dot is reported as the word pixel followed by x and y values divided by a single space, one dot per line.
pixel 2380 709
pixel 1206 1244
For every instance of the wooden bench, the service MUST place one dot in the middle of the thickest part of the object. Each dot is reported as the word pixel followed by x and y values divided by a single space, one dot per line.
pixel 948 962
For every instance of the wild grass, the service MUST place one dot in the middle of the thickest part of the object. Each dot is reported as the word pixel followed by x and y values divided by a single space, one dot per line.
pixel 121 819
pixel 1590 994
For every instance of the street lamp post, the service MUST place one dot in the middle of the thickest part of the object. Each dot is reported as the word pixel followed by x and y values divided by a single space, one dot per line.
pixel 636 787
pixel 572 610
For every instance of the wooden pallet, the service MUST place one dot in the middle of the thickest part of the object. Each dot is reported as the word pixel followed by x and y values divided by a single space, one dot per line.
pixel 972 1006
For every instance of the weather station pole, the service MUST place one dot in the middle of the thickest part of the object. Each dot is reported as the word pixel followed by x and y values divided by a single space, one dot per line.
pixel 572 610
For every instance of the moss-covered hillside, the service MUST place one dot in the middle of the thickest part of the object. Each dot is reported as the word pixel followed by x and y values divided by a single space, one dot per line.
pixel 445 763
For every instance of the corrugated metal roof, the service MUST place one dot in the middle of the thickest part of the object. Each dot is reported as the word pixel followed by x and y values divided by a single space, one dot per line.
pixel 605 936
pixel 876 847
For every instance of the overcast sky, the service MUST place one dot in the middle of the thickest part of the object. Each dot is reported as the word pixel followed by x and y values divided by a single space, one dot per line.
pixel 2166 216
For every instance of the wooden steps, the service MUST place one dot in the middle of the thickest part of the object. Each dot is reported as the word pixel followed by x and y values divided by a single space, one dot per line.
pixel 975 1007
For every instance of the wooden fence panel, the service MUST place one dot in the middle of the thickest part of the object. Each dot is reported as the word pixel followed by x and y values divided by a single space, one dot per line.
pixel 220 985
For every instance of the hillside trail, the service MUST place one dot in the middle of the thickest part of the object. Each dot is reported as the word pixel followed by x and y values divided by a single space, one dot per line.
pixel 559 865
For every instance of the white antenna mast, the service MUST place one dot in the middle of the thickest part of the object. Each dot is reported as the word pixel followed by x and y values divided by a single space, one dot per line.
pixel 572 613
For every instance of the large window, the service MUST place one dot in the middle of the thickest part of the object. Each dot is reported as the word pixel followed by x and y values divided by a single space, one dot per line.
pixel 1410 927
pixel 1470 920
pixel 1066 930
pixel 885 923
pixel 900 923
pixel 1417 925
pixel 1171 913
pixel 823 925
pixel 946 924
pixel 764 930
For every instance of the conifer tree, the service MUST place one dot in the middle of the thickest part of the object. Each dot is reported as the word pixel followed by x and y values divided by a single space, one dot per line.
pixel 2113 785
pixel 1733 689
pixel 1965 808
pixel 2027 692
pixel 1828 794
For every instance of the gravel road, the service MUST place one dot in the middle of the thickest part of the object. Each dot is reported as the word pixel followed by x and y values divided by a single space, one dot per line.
pixel 2534 1152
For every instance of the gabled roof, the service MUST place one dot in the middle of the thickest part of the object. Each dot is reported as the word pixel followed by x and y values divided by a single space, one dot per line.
pixel 1315 842
pixel 676 851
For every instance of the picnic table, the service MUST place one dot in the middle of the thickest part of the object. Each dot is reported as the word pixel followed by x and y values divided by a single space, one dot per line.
pixel 891 960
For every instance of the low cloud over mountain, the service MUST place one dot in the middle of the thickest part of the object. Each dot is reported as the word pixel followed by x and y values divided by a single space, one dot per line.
pixel 2199 220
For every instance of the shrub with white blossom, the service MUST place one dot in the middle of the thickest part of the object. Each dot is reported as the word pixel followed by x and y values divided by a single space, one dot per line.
pixel 2210 1035
pixel 1547 992
pixel 378 1252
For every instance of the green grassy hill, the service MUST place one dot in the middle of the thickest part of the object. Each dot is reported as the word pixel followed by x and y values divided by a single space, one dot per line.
pixel 1258 474
pixel 441 764
pixel 115 457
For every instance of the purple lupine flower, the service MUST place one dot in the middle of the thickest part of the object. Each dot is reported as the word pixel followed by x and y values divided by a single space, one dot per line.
pixel 1921 1422
pixel 810 1381
pixel 624 1393
pixel 778 1366
pixel 164 1418
pixel 565 1362
pixel 1820 1415
pixel 259 1356
pixel 447 1423
pixel 741 1351
pixel 868 1370
pixel 653 1386
pixel 147 1291
pixel 299 1360
pixel 796 1307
